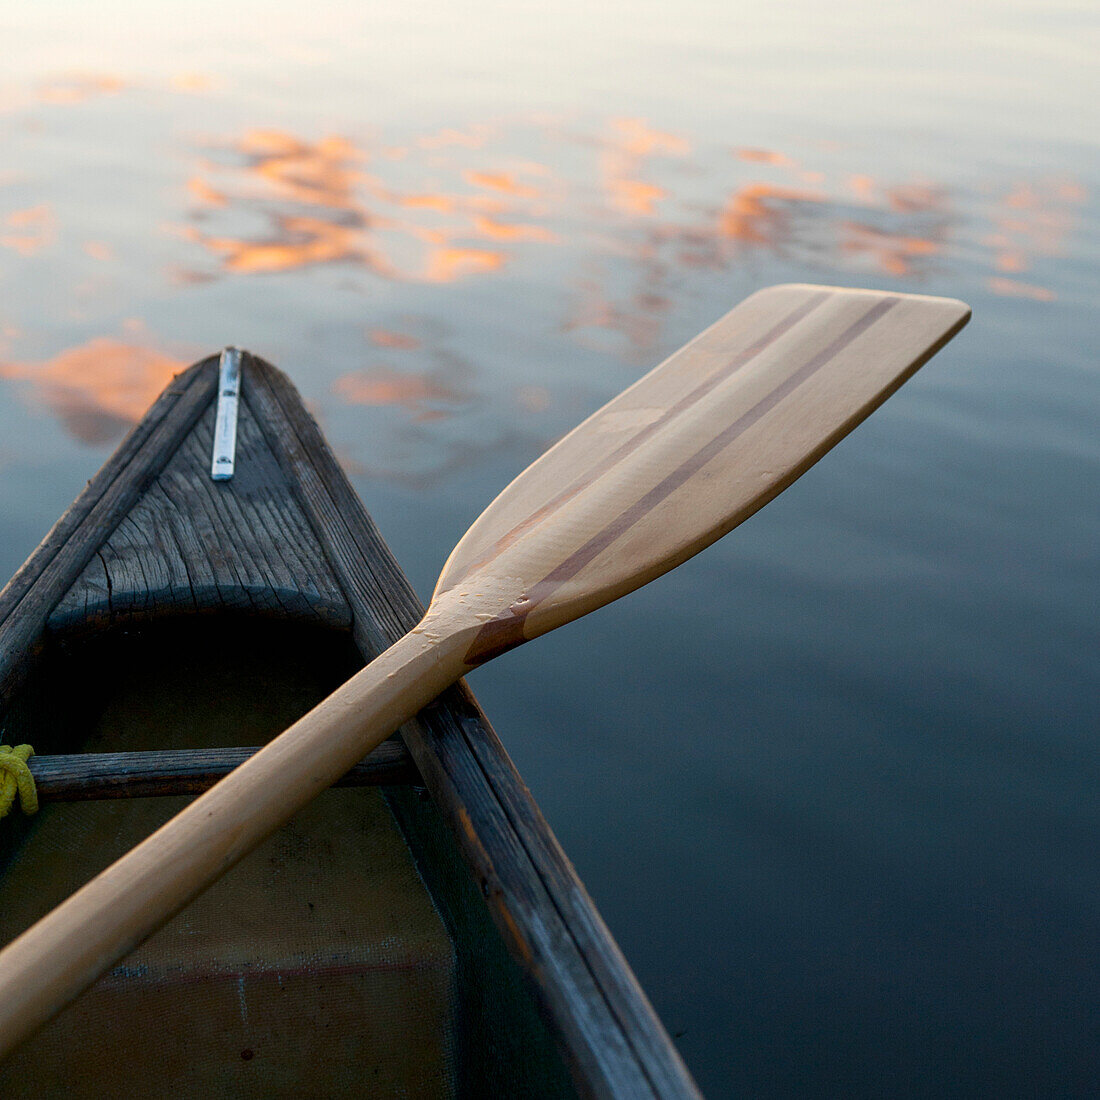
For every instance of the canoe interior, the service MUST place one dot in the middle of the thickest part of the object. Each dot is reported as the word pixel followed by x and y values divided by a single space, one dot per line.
pixel 352 954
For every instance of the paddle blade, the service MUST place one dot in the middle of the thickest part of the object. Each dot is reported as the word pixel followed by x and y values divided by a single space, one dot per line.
pixel 687 453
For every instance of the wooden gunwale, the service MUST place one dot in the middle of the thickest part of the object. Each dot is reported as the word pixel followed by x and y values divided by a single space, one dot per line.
pixel 28 598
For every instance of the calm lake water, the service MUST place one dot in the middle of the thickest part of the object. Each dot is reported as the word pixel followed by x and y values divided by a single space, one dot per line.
pixel 835 784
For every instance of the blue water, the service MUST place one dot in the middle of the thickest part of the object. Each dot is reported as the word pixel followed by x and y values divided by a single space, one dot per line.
pixel 834 783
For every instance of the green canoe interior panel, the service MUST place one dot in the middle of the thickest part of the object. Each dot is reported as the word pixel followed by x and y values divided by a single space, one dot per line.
pixel 349 955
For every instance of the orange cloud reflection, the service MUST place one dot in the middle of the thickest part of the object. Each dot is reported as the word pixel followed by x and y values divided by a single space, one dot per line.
pixel 758 212
pixel 1011 262
pixel 633 141
pixel 444 204
pixel 915 197
pixel 99 250
pixel 474 137
pixel 501 181
pixel 488 227
pixel 895 253
pixel 67 90
pixel 419 394
pixel 29 231
pixel 863 186
pixel 1014 289
pixel 447 264
pixel 318 174
pixel 192 83
pixel 350 216
pixel 448 206
pixel 638 139
pixel 202 192
pixel 385 338
pixel 1031 221
pixel 303 241
pixel 764 156
pixel 99 388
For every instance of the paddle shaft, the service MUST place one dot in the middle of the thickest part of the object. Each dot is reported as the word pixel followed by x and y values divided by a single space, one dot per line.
pixel 61 955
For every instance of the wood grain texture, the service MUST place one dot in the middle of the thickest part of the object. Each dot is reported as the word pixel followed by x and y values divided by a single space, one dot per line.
pixel 34 591
pixel 79 777
pixel 194 544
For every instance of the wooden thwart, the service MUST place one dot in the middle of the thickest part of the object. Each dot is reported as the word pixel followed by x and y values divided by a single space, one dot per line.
pixel 80 777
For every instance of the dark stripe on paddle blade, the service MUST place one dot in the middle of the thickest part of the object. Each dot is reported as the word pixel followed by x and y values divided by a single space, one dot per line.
pixel 506 631
pixel 608 462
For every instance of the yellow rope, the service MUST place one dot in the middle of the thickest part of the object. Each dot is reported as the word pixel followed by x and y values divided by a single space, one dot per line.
pixel 16 778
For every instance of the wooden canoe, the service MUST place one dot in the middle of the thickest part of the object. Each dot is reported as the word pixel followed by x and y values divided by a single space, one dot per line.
pixel 416 933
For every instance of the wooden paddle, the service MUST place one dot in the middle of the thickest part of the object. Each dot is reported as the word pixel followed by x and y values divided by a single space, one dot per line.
pixel 670 465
